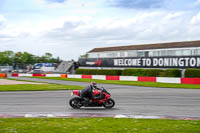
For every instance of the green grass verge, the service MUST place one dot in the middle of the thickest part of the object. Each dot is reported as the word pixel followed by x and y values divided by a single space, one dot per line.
pixel 96 125
pixel 134 83
pixel 38 87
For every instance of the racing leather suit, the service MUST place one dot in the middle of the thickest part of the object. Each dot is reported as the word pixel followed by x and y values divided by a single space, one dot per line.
pixel 86 93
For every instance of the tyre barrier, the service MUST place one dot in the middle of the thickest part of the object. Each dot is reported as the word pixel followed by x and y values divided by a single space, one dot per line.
pixel 3 75
pixel 120 78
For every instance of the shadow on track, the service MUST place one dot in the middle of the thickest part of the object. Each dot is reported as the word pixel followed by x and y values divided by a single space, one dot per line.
pixel 95 109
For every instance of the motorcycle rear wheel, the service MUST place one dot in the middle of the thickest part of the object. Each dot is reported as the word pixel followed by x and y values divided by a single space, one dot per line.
pixel 75 103
pixel 109 104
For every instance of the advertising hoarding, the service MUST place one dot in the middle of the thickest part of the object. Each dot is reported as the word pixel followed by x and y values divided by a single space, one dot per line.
pixel 144 62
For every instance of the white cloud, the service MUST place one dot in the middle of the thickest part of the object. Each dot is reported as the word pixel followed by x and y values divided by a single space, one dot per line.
pixel 76 26
pixel 50 5
pixel 2 21
pixel 196 19
pixel 3 35
pixel 2 18
pixel 68 34
pixel 175 15
pixel 106 29
pixel 198 1
pixel 142 28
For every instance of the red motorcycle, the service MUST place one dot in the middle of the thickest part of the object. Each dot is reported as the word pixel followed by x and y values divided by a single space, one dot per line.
pixel 106 101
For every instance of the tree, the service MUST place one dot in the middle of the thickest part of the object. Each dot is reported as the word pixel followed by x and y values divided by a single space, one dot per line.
pixel 28 58
pixel 21 60
pixel 6 57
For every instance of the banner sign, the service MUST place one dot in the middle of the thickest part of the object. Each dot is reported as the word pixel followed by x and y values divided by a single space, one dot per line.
pixel 149 62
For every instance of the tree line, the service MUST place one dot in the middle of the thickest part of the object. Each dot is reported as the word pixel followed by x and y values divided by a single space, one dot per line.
pixel 22 59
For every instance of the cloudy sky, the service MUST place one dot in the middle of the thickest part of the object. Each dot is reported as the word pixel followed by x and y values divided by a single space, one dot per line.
pixel 70 28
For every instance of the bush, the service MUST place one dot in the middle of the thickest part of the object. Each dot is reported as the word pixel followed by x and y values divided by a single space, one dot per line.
pixel 152 72
pixel 132 72
pixel 142 72
pixel 192 73
pixel 173 73
pixel 98 72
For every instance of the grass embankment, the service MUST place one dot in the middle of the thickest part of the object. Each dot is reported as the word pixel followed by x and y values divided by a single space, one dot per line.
pixel 133 83
pixel 38 87
pixel 96 125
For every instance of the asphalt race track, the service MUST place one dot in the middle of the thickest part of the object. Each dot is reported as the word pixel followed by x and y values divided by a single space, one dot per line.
pixel 130 100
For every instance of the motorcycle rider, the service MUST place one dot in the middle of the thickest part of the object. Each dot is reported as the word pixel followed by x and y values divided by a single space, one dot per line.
pixel 87 92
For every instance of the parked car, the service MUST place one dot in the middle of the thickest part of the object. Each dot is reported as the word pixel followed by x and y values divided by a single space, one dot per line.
pixel 19 71
pixel 22 71
pixel 36 71
pixel 5 70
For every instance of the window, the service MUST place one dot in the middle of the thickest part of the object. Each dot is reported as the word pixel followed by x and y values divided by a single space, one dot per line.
pixel 178 52
pixel 197 51
pixel 150 53
pixel 122 54
pixel 93 55
pixel 193 52
pixel 111 54
pixel 146 53
pixel 163 53
pixel 186 52
pixel 132 54
pixel 140 54
pixel 156 53
pixel 171 53
pixel 102 54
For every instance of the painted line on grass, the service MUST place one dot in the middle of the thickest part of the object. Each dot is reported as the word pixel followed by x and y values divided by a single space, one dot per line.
pixel 92 115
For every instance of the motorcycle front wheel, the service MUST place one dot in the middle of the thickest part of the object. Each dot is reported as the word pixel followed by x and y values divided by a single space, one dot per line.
pixel 75 103
pixel 109 104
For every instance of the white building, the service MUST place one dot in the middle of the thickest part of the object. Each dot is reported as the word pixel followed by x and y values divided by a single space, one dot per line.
pixel 163 55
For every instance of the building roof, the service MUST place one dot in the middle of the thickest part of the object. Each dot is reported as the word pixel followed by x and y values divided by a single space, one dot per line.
pixel 149 46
